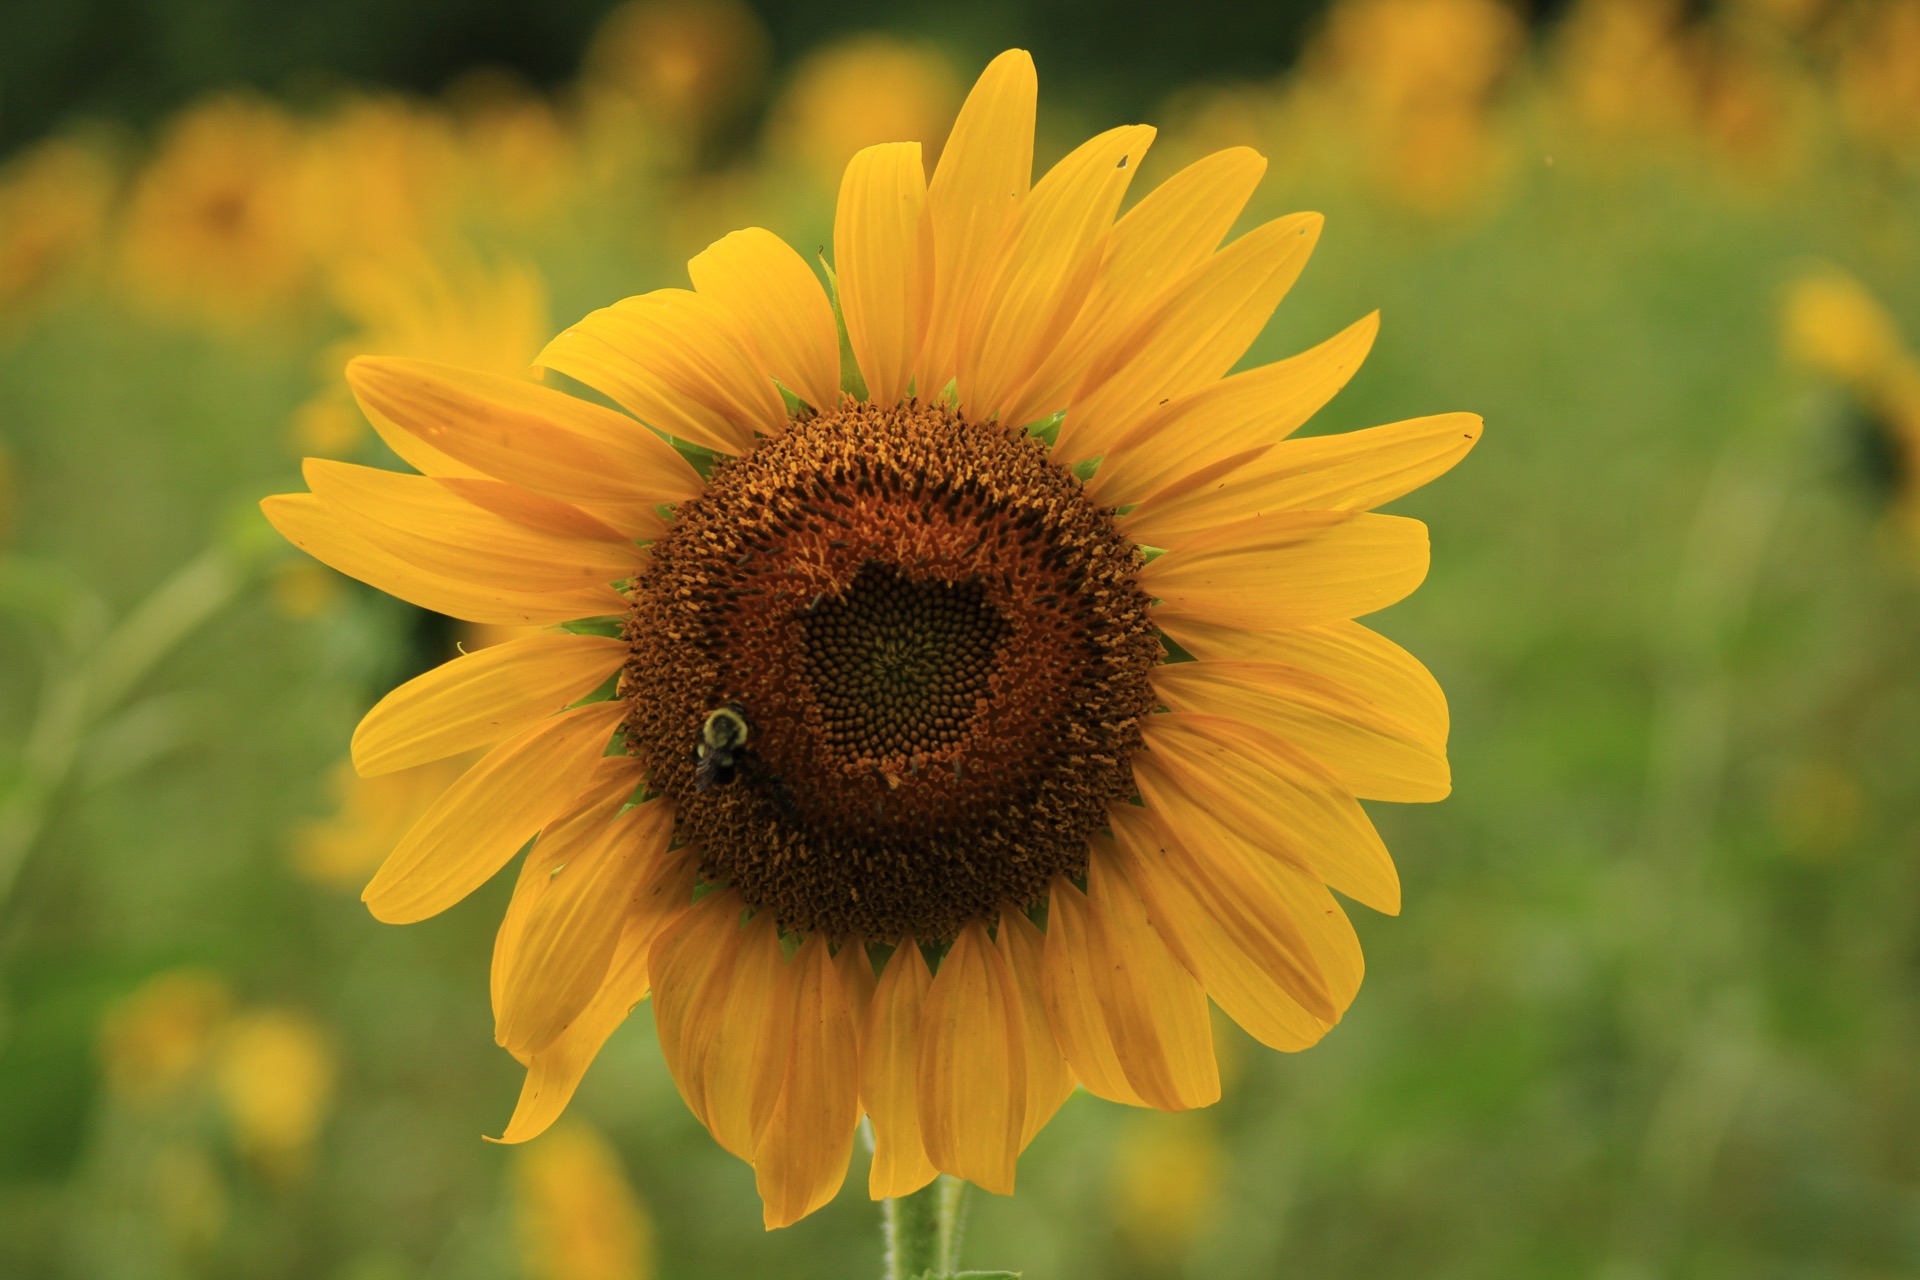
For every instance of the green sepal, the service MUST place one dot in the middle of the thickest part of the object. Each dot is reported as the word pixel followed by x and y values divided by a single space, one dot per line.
pixel 852 381
pixel 699 457
pixel 1047 429
pixel 607 625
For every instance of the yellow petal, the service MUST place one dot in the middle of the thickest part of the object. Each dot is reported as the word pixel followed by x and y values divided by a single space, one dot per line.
pixel 581 824
pixel 801 1159
pixel 983 174
pixel 1049 1079
pixel 533 436
pixel 1375 754
pixel 484 818
pixel 556 1071
pixel 1371 667
pixel 1045 270
pixel 883 256
pixel 1068 986
pixel 889 1075
pixel 1197 330
pixel 718 1006
pixel 567 941
pixel 856 977
pixel 1291 569
pixel 781 308
pixel 1354 471
pixel 1156 1011
pixel 1235 921
pixel 309 524
pixel 424 522
pixel 1169 232
pixel 973 1066
pixel 476 700
pixel 1234 417
pixel 679 362
pixel 1212 779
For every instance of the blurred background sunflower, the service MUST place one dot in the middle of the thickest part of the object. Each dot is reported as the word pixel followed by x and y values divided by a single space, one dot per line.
pixel 1651 1008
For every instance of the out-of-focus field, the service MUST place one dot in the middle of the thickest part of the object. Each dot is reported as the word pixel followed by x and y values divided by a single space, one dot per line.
pixel 1653 1007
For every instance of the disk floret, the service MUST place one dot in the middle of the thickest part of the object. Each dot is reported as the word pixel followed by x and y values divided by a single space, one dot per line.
pixel 941 649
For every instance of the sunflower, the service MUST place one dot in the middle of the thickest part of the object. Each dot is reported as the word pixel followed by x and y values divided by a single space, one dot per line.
pixel 930 747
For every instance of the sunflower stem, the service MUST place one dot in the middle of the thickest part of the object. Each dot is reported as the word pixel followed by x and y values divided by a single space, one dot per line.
pixel 923 1230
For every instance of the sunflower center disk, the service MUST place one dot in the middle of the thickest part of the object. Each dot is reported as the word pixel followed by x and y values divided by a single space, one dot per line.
pixel 901 668
pixel 942 653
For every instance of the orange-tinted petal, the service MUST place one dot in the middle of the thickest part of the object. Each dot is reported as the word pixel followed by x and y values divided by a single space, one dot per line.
pixel 1231 913
pixel 1236 417
pixel 584 822
pixel 425 522
pixel 679 362
pixel 1354 471
pixel 568 939
pixel 1291 569
pixel 484 818
pixel 1169 232
pixel 1156 1011
pixel 1043 274
pixel 973 1066
pixel 780 307
pixel 983 174
pixel 1197 330
pixel 1374 754
pixel 538 438
pixel 1069 987
pixel 801 1158
pixel 316 529
pixel 480 698
pixel 718 1004
pixel 1049 1079
pixel 889 1075
pixel 883 257
pixel 556 1071
pixel 1224 780
pixel 1372 667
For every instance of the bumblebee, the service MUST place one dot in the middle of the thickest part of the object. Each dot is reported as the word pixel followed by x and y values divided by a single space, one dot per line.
pixel 722 748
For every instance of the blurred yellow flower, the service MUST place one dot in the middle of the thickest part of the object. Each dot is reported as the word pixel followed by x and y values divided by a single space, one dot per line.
pixel 689 67
pixel 1164 1184
pixel 1627 67
pixel 154 1043
pixel 275 1073
pixel 857 93
pixel 450 309
pixel 1412 84
pixel 1878 79
pixel 577 1215
pixel 1833 326
pixel 53 206
pixel 519 156
pixel 303 589
pixel 378 178
pixel 371 815
pixel 214 227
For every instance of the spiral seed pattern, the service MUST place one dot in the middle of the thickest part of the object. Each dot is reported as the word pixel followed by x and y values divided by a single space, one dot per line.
pixel 942 649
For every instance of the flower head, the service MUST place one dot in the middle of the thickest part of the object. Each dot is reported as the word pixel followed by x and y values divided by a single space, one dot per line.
pixel 951 721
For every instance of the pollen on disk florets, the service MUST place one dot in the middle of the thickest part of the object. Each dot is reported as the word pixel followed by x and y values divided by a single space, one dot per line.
pixel 941 650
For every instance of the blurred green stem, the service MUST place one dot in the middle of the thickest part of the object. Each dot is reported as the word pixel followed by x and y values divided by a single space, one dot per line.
pixel 92 676
pixel 923 1230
